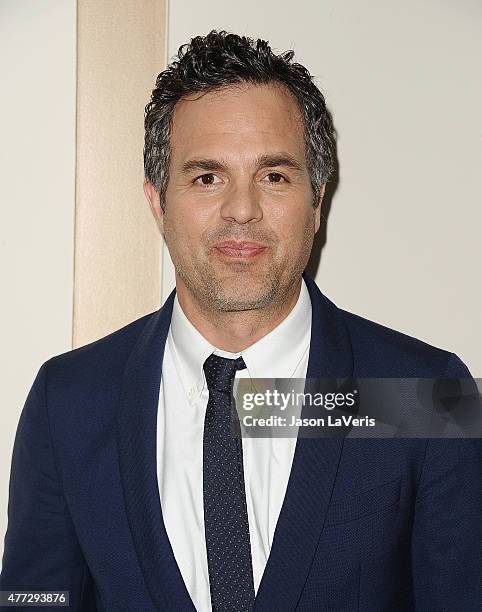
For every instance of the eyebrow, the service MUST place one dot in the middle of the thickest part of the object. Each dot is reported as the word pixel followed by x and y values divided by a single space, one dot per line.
pixel 267 160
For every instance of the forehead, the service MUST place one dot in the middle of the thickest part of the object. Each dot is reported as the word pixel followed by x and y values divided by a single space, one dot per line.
pixel 242 120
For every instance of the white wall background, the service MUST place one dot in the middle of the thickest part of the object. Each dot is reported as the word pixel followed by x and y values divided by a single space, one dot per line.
pixel 37 170
pixel 403 82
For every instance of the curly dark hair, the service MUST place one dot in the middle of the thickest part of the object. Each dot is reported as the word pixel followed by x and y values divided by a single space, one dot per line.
pixel 221 59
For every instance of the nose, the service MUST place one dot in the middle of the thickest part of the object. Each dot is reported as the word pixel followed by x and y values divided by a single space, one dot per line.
pixel 242 204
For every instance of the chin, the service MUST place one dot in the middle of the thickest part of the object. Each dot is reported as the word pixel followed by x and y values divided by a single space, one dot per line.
pixel 238 299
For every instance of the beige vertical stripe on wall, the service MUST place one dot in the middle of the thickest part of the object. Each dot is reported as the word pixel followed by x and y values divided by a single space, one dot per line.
pixel 120 50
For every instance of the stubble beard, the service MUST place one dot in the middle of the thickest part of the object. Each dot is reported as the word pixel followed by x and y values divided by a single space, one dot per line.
pixel 242 290
pixel 236 291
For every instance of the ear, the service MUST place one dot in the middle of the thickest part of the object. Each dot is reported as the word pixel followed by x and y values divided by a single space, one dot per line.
pixel 154 200
pixel 318 207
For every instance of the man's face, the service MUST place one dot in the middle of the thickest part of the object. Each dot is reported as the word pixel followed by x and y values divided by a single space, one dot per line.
pixel 239 219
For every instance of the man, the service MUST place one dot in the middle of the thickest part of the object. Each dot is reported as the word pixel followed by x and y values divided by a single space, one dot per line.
pixel 127 488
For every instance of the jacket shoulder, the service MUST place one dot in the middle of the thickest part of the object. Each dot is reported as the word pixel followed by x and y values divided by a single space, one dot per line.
pixel 379 350
pixel 107 354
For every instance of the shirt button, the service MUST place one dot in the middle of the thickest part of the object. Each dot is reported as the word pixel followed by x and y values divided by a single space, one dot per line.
pixel 192 392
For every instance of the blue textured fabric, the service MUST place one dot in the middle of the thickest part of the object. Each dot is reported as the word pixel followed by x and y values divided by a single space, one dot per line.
pixel 225 511
pixel 365 524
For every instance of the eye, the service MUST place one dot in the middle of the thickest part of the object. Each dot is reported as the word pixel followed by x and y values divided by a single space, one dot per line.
pixel 275 177
pixel 205 180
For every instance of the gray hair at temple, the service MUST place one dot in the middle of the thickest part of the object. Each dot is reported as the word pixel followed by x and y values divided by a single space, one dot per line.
pixel 220 60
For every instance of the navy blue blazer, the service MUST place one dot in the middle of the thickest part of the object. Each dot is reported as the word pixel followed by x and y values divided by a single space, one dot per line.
pixel 366 524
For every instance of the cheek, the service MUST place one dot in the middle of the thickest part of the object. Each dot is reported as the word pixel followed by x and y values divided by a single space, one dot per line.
pixel 292 224
pixel 184 225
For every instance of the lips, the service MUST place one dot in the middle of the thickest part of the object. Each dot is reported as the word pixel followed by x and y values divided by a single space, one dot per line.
pixel 240 249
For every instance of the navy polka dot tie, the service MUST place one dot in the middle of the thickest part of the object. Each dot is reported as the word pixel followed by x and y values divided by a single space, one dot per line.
pixel 225 512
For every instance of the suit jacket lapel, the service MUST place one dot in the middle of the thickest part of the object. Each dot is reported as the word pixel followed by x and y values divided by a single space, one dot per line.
pixel 136 435
pixel 313 471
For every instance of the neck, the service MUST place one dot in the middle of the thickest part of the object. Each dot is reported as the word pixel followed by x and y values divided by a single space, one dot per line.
pixel 234 331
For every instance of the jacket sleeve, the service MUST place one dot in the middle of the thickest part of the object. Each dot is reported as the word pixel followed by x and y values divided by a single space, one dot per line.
pixel 447 533
pixel 41 551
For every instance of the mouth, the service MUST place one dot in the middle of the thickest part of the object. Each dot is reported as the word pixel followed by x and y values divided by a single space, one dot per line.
pixel 240 249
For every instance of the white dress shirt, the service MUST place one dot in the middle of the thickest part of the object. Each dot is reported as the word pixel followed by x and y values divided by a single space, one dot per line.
pixel 183 398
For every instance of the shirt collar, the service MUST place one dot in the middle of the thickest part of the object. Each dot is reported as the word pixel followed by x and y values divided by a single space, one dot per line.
pixel 275 355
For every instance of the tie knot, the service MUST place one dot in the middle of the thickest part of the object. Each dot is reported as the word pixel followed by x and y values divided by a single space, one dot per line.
pixel 220 372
